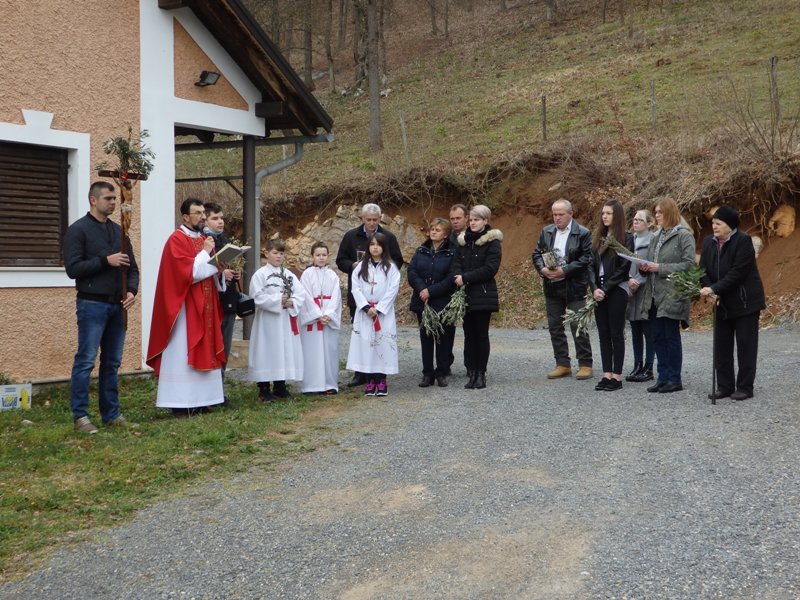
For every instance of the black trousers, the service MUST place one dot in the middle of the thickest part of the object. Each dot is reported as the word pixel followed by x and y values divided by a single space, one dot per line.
pixel 744 331
pixel 443 351
pixel 556 307
pixel 476 340
pixel 610 317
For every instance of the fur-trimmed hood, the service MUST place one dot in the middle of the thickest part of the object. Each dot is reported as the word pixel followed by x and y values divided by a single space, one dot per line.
pixel 491 234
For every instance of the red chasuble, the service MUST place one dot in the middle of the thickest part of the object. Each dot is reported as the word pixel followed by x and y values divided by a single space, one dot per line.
pixel 203 311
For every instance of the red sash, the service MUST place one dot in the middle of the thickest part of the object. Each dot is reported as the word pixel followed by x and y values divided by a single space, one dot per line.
pixel 375 322
pixel 318 301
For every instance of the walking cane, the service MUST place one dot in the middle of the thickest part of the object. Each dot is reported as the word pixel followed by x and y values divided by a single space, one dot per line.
pixel 714 352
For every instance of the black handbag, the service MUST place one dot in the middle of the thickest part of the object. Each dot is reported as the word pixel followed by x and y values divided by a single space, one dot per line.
pixel 245 305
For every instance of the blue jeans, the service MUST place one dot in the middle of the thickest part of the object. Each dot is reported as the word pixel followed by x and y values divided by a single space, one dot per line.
pixel 669 350
pixel 99 327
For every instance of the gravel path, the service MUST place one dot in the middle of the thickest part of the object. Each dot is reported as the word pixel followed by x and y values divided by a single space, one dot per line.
pixel 530 489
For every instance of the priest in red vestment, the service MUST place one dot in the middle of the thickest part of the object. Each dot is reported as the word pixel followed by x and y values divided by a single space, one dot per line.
pixel 186 347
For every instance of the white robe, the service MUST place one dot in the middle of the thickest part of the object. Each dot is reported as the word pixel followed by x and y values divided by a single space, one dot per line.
pixel 374 351
pixel 180 386
pixel 276 353
pixel 321 346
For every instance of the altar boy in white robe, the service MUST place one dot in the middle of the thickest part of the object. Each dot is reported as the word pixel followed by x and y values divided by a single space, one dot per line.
pixel 276 354
pixel 321 318
pixel 373 343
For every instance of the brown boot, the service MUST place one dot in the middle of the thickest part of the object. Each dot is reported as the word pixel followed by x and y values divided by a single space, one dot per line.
pixel 584 373
pixel 559 371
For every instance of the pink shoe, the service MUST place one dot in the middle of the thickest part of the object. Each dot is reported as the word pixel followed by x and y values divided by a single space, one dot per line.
pixel 382 389
pixel 369 389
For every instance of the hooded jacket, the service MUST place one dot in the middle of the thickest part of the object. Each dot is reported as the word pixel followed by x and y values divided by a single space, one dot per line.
pixel 477 261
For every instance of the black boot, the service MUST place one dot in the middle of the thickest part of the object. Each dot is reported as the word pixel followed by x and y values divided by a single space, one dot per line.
pixel 358 379
pixel 427 381
pixel 279 389
pixel 470 385
pixel 480 380
pixel 645 374
pixel 637 369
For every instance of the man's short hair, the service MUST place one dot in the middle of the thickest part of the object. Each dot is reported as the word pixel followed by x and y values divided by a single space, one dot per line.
pixel 188 203
pixel 98 187
pixel 460 207
pixel 212 207
pixel 566 203
pixel 275 244
pixel 371 209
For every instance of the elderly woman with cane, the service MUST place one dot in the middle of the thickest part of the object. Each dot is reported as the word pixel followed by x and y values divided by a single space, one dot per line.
pixel 732 282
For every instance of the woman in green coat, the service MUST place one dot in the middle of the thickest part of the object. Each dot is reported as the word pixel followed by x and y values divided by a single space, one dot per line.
pixel 671 250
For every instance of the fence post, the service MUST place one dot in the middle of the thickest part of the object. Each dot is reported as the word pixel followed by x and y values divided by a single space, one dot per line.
pixel 653 103
pixel 544 117
pixel 405 139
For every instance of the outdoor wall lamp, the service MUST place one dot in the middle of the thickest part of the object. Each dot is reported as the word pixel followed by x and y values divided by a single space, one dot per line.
pixel 207 78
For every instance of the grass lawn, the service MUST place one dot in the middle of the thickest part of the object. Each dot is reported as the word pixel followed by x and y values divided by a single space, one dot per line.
pixel 56 482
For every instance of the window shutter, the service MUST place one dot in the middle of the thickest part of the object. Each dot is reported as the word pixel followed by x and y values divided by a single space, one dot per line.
pixel 33 205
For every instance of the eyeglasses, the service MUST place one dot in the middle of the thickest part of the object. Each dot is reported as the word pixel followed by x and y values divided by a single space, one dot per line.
pixel 197 212
pixel 109 198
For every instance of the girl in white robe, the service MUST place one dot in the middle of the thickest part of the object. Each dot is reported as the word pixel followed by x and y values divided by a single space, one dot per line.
pixel 321 318
pixel 276 353
pixel 373 343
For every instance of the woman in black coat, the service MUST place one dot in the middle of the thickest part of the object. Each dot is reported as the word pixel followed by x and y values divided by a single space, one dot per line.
pixel 430 274
pixel 477 262
pixel 733 283
pixel 608 279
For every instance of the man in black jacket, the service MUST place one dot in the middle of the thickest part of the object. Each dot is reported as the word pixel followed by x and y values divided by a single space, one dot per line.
pixel 567 247
pixel 92 257
pixel 353 247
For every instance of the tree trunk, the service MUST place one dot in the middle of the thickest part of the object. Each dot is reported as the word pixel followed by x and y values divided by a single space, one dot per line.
pixel 446 14
pixel 503 6
pixel 308 66
pixel 605 7
pixel 432 7
pixel 342 37
pixel 329 45
pixel 622 11
pixel 359 42
pixel 373 35
pixel 275 24
pixel 384 64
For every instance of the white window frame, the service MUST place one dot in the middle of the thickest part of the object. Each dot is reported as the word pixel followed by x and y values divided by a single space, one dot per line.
pixel 36 132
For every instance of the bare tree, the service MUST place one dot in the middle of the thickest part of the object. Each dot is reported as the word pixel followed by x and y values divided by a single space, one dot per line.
pixel 432 12
pixel 329 45
pixel 503 6
pixel 344 5
pixel 373 37
pixel 308 72
pixel 359 42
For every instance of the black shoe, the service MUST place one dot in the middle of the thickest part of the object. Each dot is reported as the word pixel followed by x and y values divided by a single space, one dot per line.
pixel 470 385
pixel 658 385
pixel 613 385
pixel 264 394
pixel 441 380
pixel 739 395
pixel 358 379
pixel 427 381
pixel 718 395
pixel 637 369
pixel 279 390
pixel 645 374
pixel 668 388
pixel 480 380
pixel 602 384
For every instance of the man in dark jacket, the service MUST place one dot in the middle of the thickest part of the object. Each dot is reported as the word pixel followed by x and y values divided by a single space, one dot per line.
pixel 92 257
pixel 563 257
pixel 353 247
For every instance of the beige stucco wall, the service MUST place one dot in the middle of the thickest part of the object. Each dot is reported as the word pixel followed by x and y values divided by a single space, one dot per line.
pixel 79 61
pixel 190 60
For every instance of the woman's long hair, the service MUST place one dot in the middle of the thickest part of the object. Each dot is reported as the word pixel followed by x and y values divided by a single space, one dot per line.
pixel 617 228
pixel 386 260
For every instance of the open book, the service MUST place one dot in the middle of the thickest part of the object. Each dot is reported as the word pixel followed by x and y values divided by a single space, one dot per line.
pixel 227 253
